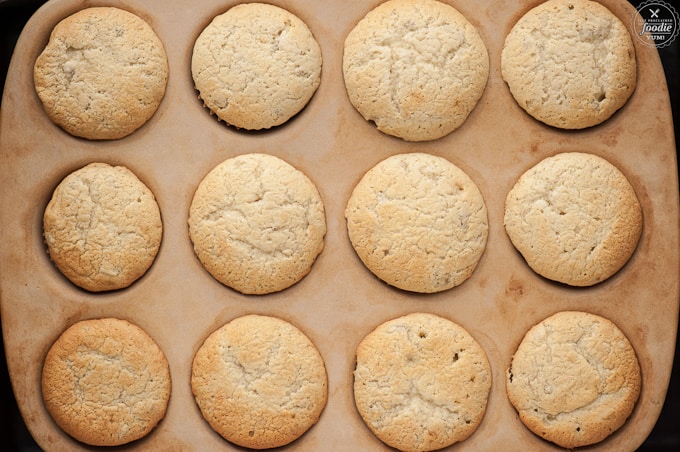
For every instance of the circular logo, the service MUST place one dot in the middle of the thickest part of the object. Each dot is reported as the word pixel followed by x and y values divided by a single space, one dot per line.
pixel 656 23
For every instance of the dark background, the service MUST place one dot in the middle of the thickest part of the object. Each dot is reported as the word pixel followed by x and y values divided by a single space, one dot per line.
pixel 13 433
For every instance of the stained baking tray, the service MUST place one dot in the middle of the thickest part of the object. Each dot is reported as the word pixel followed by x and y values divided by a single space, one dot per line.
pixel 179 304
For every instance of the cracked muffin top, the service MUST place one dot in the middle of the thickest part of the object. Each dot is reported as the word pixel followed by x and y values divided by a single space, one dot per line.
pixel 416 68
pixel 102 227
pixel 106 382
pixel 256 66
pixel 259 381
pixel 569 63
pixel 421 382
pixel 418 222
pixel 257 223
pixel 574 217
pixel 574 379
pixel 102 74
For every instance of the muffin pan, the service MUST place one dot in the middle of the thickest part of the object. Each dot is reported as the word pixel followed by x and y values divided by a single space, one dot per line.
pixel 179 304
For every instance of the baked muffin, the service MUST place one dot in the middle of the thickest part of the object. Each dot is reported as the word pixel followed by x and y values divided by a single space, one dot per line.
pixel 256 66
pixel 259 382
pixel 574 379
pixel 102 227
pixel 257 223
pixel 106 382
pixel 416 68
pixel 421 382
pixel 574 217
pixel 102 74
pixel 418 222
pixel 570 63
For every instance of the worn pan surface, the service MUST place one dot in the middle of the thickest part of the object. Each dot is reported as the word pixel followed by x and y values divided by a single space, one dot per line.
pixel 178 303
